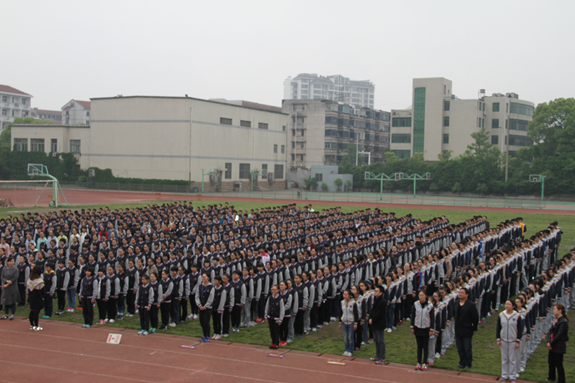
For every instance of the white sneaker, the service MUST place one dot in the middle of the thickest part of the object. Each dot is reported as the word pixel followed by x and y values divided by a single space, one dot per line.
pixel 225 335
pixel 191 316
pixel 145 333
pixel 216 337
pixel 172 324
pixel 137 311
pixel 140 332
pixel 195 316
pixel 437 355
pixel 389 330
pixel 106 320
pixel 111 321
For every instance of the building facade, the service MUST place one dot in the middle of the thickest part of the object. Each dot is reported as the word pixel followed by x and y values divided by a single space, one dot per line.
pixel 76 112
pixel 310 86
pixel 13 104
pixel 439 121
pixel 48 138
pixel 47 115
pixel 320 132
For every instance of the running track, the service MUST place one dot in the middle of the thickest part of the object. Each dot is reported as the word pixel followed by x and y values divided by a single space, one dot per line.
pixel 26 198
pixel 65 353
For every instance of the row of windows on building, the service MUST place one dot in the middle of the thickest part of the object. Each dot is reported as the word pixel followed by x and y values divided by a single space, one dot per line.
pixel 513 139
pixel 15 113
pixel 14 99
pixel 246 123
pixel 245 171
pixel 38 145
pixel 355 135
pixel 355 123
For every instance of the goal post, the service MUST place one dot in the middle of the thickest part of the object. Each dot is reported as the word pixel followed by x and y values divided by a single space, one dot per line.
pixel 27 193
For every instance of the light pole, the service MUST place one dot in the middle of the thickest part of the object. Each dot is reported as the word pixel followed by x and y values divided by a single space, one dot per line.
pixel 539 178
pixel 356 145
pixel 507 128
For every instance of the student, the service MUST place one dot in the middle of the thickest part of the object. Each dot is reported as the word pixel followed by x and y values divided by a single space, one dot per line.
pixel 509 332
pixel 62 278
pixel 10 293
pixel 194 279
pixel 123 278
pixel 186 294
pixel 36 293
pixel 177 294
pixel 50 281
pixel 87 295
pixel 228 305
pixel 358 297
pixel 157 288
pixel 103 295
pixel 348 321
pixel 275 311
pixel 71 288
pixel 114 293
pixel 422 325
pixel 166 299
pixel 240 294
pixel 377 321
pixel 287 301
pixel 144 302
pixel 300 305
pixel 557 344
pixel 204 299
pixel 218 304
pixel 23 275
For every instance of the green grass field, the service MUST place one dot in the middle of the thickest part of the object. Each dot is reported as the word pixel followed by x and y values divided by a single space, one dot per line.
pixel 400 344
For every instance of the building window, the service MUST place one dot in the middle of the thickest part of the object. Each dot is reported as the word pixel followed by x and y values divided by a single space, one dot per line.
pixel 479 122
pixel 74 146
pixel 446 138
pixel 279 171
pixel 520 140
pixel 495 123
pixel 264 170
pixel 228 172
pixel 518 125
pixel 4 98
pixel 225 121
pixel 526 110
pixel 319 177
pixel 495 140
pixel 402 153
pixel 400 122
pixel 247 124
pixel 293 145
pixel 275 148
pixel 446 121
pixel 418 120
pixel 244 171
pixel 54 145
pixel 23 101
pixel 483 122
pixel 283 149
pixel 401 138
pixel 36 144
pixel 446 105
pixel 495 107
pixel 283 128
pixel 262 125
pixel 20 144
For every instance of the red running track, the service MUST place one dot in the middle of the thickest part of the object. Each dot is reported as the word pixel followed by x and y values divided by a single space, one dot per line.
pixel 64 353
pixel 26 198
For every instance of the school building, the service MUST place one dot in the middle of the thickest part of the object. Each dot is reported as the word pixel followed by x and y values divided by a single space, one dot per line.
pixel 176 138
pixel 439 121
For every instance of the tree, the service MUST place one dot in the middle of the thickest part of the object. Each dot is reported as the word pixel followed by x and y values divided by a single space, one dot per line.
pixel 482 188
pixel 311 183
pixel 324 186
pixel 338 183
pixel 456 188
pixel 348 185
pixel 349 157
pixel 553 127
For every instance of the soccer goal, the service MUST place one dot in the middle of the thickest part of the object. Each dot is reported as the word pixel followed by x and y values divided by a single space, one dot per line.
pixel 36 191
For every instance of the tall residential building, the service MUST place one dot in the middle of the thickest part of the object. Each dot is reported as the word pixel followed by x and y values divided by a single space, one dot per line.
pixel 310 86
pixel 76 112
pixel 439 121
pixel 13 104
pixel 321 130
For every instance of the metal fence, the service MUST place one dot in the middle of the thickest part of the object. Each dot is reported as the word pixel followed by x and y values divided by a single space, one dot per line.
pixel 302 196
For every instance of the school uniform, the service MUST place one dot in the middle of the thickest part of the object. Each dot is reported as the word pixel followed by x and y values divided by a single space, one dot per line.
pixel 50 281
pixel 422 320
pixel 133 280
pixel 157 291
pixel 275 311
pixel 194 279
pixel 218 308
pixel 103 295
pixel 166 302
pixel 62 279
pixel 228 304
pixel 301 306
pixel 113 298
pixel 74 278
pixel 287 301
pixel 88 293
pixel 349 318
pixel 144 301
pixel 240 294
pixel 204 299
pixel 509 332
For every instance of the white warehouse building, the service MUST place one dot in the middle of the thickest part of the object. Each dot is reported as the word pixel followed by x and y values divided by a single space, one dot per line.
pixel 178 137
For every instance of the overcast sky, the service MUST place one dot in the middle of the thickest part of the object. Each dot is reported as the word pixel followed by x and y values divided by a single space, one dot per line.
pixel 61 50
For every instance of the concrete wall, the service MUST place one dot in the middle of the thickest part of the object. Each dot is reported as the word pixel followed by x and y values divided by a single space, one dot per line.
pixel 175 138
pixel 329 175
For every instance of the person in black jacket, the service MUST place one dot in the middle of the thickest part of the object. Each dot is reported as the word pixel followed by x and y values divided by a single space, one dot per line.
pixel 36 292
pixel 378 325
pixel 466 321
pixel 557 344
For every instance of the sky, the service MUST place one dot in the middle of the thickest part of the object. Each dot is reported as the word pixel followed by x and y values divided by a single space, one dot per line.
pixel 61 50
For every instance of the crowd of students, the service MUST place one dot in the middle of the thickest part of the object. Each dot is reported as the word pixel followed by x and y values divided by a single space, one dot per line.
pixel 297 268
